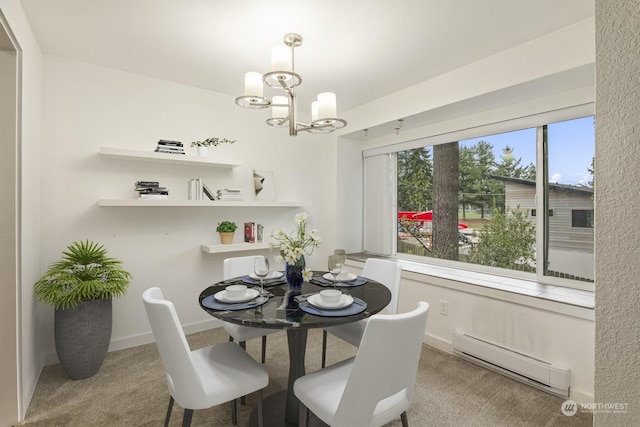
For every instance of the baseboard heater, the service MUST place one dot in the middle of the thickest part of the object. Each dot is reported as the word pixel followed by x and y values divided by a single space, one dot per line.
pixel 516 365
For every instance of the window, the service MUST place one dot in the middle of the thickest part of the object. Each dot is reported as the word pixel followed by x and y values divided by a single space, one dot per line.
pixel 582 218
pixel 474 201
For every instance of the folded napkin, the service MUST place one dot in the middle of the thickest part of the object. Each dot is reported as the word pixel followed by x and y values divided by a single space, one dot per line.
pixel 268 282
pixel 214 304
pixel 319 280
pixel 357 307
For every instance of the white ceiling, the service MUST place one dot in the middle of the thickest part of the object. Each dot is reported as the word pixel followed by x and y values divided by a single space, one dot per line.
pixel 360 49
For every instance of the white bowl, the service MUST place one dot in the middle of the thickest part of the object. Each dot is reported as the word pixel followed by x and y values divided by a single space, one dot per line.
pixel 236 291
pixel 344 275
pixel 330 296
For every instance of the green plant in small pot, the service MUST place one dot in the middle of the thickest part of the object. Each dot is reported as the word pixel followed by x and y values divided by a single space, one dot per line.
pixel 226 230
pixel 203 146
pixel 80 287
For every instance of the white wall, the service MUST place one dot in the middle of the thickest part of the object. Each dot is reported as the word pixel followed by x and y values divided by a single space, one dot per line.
pixel 86 107
pixel 617 378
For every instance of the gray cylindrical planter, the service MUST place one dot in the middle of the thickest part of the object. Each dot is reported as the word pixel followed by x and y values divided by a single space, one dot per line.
pixel 82 336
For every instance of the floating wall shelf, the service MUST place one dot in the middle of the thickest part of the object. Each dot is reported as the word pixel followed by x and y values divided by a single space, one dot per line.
pixel 123 153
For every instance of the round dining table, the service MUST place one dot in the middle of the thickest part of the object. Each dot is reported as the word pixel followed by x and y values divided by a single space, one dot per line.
pixel 283 308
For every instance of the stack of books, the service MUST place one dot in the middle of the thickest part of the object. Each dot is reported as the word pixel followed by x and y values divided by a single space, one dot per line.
pixel 151 190
pixel 229 194
pixel 169 147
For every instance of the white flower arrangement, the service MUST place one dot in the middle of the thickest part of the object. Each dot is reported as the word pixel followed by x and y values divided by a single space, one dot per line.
pixel 293 246
pixel 212 142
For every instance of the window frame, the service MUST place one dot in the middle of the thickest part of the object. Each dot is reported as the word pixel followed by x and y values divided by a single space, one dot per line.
pixel 537 121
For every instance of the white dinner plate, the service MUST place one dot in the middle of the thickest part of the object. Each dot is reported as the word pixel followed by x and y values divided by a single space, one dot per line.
pixel 316 301
pixel 248 296
pixel 350 277
pixel 271 275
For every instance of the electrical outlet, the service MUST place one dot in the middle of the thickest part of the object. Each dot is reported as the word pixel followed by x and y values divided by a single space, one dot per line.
pixel 444 307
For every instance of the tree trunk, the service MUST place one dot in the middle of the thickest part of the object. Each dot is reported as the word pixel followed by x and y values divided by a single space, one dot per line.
pixel 445 200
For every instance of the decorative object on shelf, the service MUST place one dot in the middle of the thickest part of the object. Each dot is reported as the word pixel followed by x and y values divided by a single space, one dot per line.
pixel 264 185
pixel 80 287
pixel 203 146
pixel 169 147
pixel 226 230
pixel 283 108
pixel 293 247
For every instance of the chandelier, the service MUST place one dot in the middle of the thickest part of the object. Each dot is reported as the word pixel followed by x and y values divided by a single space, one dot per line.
pixel 283 108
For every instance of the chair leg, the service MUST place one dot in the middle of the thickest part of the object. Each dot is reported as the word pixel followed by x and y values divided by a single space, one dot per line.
pixel 186 420
pixel 324 348
pixel 169 408
pixel 234 412
pixel 243 345
pixel 260 416
pixel 304 413
pixel 403 417
pixel 264 348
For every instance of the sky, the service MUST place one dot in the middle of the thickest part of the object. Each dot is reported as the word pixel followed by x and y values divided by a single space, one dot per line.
pixel 571 149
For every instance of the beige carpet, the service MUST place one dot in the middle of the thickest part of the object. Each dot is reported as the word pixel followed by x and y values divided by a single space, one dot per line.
pixel 130 390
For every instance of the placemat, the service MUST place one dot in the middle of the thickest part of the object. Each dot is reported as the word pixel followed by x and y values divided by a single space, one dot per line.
pixel 357 307
pixel 319 280
pixel 214 304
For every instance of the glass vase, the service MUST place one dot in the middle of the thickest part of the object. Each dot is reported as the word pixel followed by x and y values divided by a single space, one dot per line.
pixel 293 273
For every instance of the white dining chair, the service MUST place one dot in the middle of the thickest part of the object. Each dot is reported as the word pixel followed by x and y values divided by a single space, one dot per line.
pixel 376 385
pixel 383 271
pixel 235 267
pixel 205 377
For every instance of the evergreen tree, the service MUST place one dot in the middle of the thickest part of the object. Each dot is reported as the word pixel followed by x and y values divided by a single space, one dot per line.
pixel 415 173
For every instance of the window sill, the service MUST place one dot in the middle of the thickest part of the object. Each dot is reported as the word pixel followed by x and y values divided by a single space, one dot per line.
pixel 568 301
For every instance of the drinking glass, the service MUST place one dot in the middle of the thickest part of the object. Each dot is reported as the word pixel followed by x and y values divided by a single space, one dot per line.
pixel 334 269
pixel 261 268
pixel 339 257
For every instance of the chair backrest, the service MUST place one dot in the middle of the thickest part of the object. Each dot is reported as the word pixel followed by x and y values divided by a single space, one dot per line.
pixel 384 367
pixel 182 379
pixel 238 266
pixel 388 273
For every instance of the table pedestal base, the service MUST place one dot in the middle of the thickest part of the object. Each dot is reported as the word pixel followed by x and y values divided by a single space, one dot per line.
pixel 273 413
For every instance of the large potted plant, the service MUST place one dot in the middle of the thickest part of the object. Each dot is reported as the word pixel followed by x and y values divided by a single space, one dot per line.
pixel 80 287
pixel 226 230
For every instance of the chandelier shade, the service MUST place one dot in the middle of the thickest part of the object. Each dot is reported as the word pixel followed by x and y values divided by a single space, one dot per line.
pixel 282 77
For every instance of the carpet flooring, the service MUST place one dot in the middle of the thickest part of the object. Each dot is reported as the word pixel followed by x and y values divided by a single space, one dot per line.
pixel 130 390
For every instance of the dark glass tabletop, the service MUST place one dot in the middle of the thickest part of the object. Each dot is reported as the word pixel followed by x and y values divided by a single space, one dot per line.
pixel 282 310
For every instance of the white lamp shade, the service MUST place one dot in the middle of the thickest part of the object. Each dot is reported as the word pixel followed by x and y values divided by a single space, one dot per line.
pixel 279 112
pixel 253 84
pixel 327 106
pixel 280 58
pixel 314 111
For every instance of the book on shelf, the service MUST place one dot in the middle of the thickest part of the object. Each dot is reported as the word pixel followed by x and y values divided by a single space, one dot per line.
pixel 195 189
pixel 147 184
pixel 166 151
pixel 208 192
pixel 259 233
pixel 154 197
pixel 158 190
pixel 168 142
pixel 249 232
